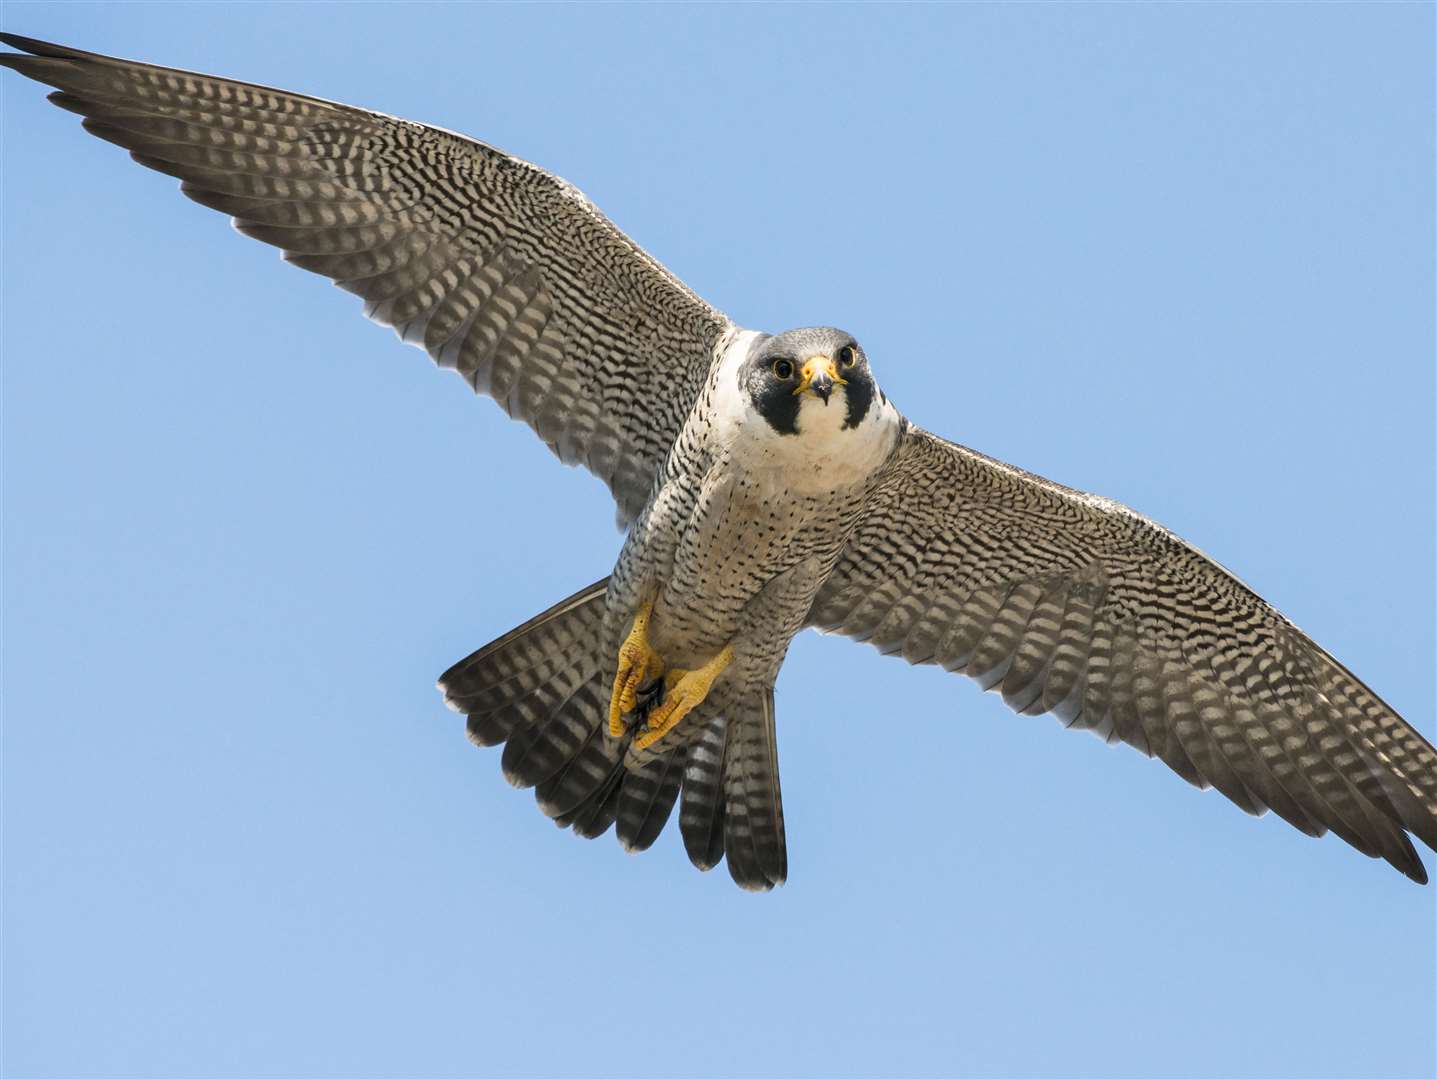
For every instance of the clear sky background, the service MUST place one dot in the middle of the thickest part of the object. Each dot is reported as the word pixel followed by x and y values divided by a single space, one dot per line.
pixel 1178 254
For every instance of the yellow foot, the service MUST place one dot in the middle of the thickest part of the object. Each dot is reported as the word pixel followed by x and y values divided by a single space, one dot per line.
pixel 685 690
pixel 637 665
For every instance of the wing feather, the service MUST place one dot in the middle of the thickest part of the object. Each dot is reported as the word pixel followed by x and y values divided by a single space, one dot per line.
pixel 1068 603
pixel 493 266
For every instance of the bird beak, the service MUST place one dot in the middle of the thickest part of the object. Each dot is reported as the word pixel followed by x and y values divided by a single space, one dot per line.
pixel 820 375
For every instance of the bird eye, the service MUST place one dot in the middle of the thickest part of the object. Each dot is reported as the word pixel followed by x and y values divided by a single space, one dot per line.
pixel 783 369
pixel 848 356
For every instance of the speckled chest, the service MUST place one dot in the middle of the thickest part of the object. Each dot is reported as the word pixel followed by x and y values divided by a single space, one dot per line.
pixel 745 554
pixel 747 523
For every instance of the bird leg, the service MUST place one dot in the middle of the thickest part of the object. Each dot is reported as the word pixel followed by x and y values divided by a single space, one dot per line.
pixel 638 663
pixel 686 689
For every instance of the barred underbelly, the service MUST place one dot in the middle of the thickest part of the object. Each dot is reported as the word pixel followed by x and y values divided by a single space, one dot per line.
pixel 746 566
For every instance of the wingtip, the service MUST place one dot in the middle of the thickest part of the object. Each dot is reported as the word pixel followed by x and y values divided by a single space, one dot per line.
pixel 1416 871
pixel 50 70
pixel 36 47
pixel 1404 859
pixel 18 41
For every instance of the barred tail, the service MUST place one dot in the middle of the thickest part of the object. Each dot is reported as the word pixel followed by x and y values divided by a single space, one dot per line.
pixel 732 805
pixel 540 690
pixel 543 691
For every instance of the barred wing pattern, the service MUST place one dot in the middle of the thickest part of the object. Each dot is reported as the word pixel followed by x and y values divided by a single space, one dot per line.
pixel 496 268
pixel 1074 604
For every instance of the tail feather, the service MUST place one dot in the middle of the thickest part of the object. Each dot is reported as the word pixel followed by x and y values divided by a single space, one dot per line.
pixel 648 799
pixel 701 814
pixel 573 785
pixel 501 695
pixel 515 664
pixel 552 727
pixel 593 819
pixel 753 804
pixel 543 691
pixel 765 800
pixel 540 690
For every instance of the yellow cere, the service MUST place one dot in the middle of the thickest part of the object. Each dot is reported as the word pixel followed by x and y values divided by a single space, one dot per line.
pixel 811 368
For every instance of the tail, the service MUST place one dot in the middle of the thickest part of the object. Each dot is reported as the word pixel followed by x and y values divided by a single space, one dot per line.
pixel 543 690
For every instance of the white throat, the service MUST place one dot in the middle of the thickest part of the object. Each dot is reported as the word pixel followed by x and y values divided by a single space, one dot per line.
pixel 823 456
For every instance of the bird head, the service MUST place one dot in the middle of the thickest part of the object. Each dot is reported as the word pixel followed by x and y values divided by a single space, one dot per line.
pixel 810 381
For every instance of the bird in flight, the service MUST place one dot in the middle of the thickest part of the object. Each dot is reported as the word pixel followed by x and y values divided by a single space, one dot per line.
pixel 766 484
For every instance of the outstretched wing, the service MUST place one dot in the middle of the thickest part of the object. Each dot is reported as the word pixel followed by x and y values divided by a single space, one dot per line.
pixel 1074 604
pixel 496 268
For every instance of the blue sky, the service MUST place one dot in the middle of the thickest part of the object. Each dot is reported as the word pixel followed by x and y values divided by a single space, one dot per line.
pixel 1178 254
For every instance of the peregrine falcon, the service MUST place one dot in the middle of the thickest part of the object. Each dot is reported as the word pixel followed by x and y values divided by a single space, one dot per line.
pixel 766 484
